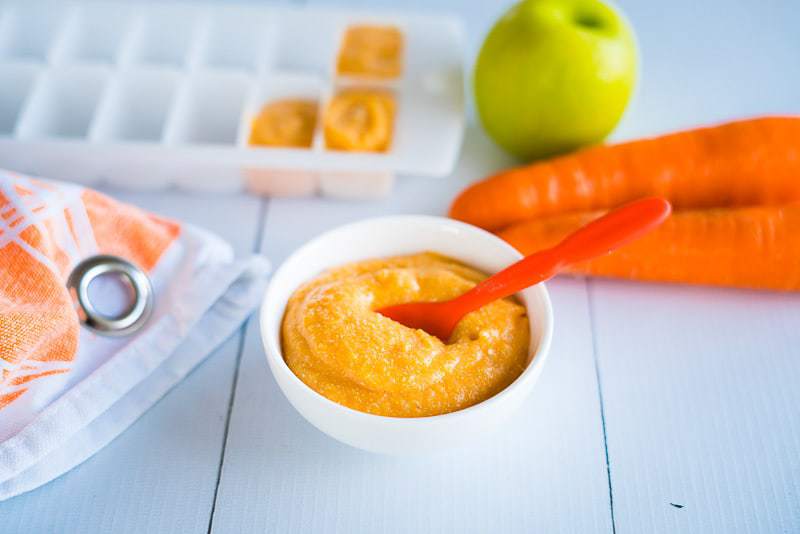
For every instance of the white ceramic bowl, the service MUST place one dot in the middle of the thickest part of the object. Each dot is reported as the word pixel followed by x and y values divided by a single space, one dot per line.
pixel 389 236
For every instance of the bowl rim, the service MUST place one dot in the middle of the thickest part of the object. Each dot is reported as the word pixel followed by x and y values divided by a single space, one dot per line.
pixel 274 353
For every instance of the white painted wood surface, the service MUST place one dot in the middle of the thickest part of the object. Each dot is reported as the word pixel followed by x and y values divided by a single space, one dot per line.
pixel 699 386
pixel 702 404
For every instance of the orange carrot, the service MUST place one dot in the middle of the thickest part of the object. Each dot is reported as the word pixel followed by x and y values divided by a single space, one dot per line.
pixel 744 163
pixel 757 247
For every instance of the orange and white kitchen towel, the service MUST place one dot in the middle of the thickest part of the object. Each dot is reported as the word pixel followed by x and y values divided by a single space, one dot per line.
pixel 65 391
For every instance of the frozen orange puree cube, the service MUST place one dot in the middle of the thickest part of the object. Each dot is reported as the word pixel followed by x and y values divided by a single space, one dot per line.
pixel 285 123
pixel 371 52
pixel 360 120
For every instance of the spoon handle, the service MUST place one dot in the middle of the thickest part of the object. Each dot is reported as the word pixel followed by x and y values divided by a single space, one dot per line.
pixel 613 230
pixel 597 238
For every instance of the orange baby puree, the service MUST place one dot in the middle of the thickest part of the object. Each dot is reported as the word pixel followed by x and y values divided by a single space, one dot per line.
pixel 285 123
pixel 336 343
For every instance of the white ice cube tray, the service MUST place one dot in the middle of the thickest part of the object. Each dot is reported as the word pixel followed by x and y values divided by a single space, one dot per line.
pixel 154 95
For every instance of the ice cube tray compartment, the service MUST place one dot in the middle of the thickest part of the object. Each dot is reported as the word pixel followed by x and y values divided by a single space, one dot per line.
pixel 158 94
pixel 94 35
pixel 164 35
pixel 63 103
pixel 306 47
pixel 195 122
pixel 345 79
pixel 29 31
pixel 18 80
pixel 137 106
pixel 236 39
pixel 278 85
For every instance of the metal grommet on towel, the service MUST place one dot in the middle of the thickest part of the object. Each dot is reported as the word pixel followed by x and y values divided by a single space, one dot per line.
pixel 128 321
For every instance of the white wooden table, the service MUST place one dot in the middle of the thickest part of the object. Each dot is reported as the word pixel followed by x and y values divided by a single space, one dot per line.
pixel 662 409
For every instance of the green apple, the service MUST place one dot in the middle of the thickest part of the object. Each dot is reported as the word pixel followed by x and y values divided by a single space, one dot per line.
pixel 555 75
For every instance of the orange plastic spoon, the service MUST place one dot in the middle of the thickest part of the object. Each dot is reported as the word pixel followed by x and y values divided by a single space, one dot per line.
pixel 599 237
